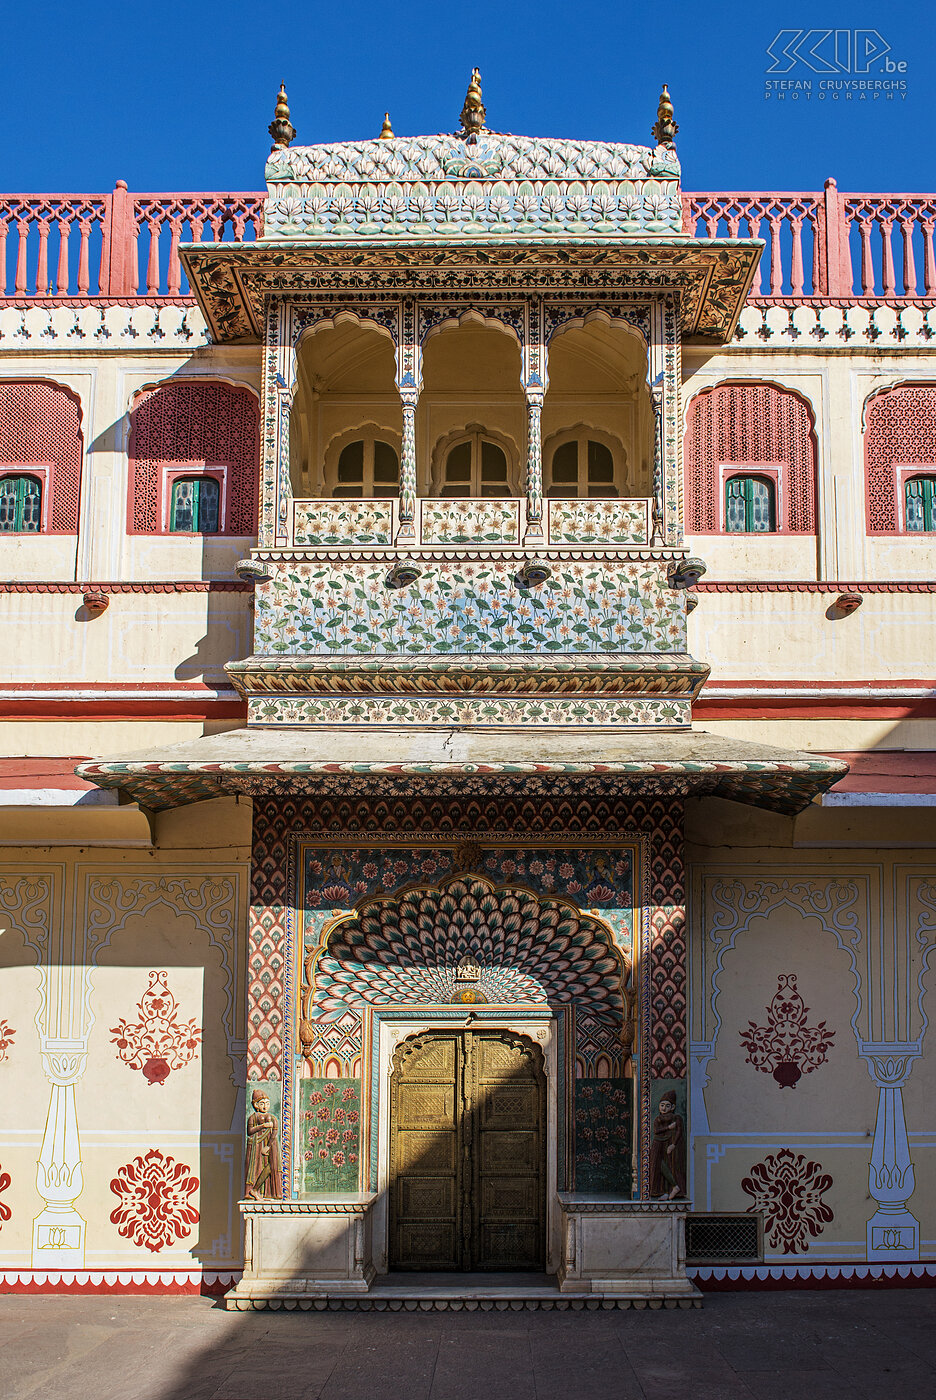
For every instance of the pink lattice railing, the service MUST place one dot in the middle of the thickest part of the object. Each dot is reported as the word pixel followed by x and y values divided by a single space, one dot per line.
pixel 112 247
pixel 821 246
pixel 826 245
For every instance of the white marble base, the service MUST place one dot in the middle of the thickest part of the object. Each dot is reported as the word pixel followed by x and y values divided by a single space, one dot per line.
pixel 611 1246
pixel 319 1247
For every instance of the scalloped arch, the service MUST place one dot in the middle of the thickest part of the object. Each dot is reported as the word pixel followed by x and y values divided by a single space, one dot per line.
pixel 404 948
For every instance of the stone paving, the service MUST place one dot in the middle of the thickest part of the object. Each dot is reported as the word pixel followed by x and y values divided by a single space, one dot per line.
pixel 796 1345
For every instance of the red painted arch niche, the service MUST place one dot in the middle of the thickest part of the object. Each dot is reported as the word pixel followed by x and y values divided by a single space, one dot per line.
pixel 899 441
pixel 40 427
pixel 749 426
pixel 194 427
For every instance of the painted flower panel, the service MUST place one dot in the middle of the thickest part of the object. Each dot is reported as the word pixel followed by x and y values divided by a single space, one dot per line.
pixel 470 522
pixel 329 523
pixel 329 1127
pixel 598 522
pixel 325 609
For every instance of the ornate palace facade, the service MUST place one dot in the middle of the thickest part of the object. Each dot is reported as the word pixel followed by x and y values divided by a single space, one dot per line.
pixel 416 859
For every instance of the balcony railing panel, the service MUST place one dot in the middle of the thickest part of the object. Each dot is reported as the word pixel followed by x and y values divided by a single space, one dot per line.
pixel 340 524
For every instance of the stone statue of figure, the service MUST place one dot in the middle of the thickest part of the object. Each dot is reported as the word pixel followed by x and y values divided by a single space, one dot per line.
pixel 668 1152
pixel 264 1170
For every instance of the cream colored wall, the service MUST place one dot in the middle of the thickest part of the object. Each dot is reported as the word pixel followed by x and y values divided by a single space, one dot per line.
pixel 836 386
pixel 791 636
pixel 819 897
pixel 82 931
pixel 142 637
pixel 106 383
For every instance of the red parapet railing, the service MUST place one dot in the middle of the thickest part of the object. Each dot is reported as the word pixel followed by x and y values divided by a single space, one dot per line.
pixel 826 246
pixel 820 246
pixel 112 247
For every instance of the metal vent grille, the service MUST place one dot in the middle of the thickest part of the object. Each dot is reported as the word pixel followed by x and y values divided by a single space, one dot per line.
pixel 723 1238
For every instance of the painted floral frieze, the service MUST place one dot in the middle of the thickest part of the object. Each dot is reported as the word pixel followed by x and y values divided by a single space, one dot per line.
pixel 7 1035
pixel 329 609
pixel 600 880
pixel 470 522
pixel 321 524
pixel 598 522
pixel 490 711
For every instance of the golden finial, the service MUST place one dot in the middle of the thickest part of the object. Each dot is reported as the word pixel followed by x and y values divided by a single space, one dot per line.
pixel 664 128
pixel 281 128
pixel 473 114
pixel 386 131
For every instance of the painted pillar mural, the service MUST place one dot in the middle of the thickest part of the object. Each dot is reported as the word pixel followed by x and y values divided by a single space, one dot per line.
pixel 811 993
pixel 120 1006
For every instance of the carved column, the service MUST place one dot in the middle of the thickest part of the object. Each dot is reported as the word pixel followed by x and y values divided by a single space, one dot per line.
pixel 666 390
pixel 656 507
pixel 409 383
pixel 893 1234
pixel 278 377
pixel 533 484
pixel 535 381
pixel 407 530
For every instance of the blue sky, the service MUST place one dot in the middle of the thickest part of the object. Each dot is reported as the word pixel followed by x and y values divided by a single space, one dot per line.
pixel 172 97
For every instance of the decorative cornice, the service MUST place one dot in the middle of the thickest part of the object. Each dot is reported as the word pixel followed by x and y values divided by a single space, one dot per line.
pixel 232 281
pixel 125 586
pixel 476 674
pixel 812 586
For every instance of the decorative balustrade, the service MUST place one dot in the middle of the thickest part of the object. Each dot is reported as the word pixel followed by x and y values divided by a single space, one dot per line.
pixel 827 246
pixel 821 246
pixel 112 247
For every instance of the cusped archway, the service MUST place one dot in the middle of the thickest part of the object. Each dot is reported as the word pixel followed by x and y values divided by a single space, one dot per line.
pixel 414 948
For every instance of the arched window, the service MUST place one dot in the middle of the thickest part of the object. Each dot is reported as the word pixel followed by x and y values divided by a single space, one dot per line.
pixel 757 429
pixel 750 505
pixel 581 466
pixel 40 438
pixel 20 504
pixel 920 504
pixel 900 454
pixel 476 465
pixel 195 506
pixel 367 467
pixel 196 431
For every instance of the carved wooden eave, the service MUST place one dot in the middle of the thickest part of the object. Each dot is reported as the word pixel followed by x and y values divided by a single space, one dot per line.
pixel 710 277
pixel 382 761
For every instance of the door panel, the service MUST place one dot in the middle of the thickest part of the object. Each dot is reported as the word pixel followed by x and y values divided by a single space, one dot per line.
pixel 510 1152
pixel 467 1153
pixel 425 1192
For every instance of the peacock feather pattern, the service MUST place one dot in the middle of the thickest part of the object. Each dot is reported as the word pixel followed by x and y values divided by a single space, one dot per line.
pixel 405 949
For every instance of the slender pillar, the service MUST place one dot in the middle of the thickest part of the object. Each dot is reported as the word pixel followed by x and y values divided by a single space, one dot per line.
pixel 407 530
pixel 409 383
pixel 533 484
pixel 535 359
pixel 656 505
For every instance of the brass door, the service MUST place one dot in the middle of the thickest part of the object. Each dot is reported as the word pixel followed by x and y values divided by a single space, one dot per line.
pixel 468 1152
